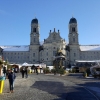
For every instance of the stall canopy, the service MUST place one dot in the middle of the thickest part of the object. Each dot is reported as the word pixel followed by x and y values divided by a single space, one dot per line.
pixel 26 64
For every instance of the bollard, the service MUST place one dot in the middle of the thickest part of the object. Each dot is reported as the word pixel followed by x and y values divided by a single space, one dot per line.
pixel 2 78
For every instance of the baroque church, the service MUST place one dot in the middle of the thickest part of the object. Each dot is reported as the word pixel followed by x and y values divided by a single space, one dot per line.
pixel 36 52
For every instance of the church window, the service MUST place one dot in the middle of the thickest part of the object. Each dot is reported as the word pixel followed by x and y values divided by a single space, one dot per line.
pixel 54 47
pixel 47 53
pixel 54 53
pixel 73 39
pixel 74 54
pixel 47 58
pixel 73 29
pixel 33 59
pixel 34 39
pixel 33 54
pixel 34 29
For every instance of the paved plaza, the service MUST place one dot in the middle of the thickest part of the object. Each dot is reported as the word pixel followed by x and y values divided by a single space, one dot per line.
pixel 53 87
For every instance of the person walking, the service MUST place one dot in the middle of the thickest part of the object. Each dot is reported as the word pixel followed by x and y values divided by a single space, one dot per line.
pixel 4 71
pixel 26 71
pixel 23 71
pixel 36 70
pixel 11 77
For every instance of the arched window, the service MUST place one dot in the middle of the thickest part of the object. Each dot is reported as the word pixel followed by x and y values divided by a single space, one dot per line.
pixel 73 39
pixel 54 53
pixel 34 39
pixel 74 54
pixel 34 29
pixel 33 54
pixel 73 29
pixel 47 53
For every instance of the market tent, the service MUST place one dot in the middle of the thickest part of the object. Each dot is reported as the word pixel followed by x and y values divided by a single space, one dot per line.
pixel 25 64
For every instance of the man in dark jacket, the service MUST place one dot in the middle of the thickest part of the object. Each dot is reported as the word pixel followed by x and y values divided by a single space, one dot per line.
pixel 11 77
pixel 4 71
pixel 26 72
pixel 23 71
pixel 36 69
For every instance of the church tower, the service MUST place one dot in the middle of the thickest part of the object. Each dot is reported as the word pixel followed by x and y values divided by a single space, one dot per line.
pixel 73 32
pixel 73 41
pixel 34 36
pixel 34 42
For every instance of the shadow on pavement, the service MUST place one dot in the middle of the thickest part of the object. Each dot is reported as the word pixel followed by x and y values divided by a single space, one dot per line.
pixel 64 93
pixel 54 88
pixel 75 74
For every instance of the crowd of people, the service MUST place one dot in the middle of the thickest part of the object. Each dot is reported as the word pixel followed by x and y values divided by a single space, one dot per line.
pixel 24 72
pixel 11 76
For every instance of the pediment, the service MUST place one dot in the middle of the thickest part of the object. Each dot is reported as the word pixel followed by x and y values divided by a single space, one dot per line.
pixel 54 37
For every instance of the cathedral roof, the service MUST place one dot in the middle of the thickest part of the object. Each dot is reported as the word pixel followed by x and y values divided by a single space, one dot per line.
pixel 26 48
pixel 15 48
pixel 34 21
pixel 90 47
pixel 73 20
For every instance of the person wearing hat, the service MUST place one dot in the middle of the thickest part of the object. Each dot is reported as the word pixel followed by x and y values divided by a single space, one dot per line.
pixel 11 77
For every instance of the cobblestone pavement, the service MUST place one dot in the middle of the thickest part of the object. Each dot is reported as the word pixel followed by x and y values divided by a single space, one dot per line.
pixel 50 87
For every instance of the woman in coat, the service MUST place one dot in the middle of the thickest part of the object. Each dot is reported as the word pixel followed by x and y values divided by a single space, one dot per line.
pixel 11 77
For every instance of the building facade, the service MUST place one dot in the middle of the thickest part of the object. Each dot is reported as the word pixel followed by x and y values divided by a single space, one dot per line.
pixel 36 52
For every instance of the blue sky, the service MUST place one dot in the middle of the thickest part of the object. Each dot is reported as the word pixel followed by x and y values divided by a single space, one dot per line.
pixel 16 16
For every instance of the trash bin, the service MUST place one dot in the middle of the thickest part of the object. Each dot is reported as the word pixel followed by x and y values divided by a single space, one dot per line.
pixel 2 78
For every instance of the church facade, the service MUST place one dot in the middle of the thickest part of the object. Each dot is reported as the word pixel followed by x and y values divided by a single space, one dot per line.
pixel 36 52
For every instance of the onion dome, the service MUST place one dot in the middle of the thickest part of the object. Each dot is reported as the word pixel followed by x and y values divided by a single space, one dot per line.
pixel 73 20
pixel 34 21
